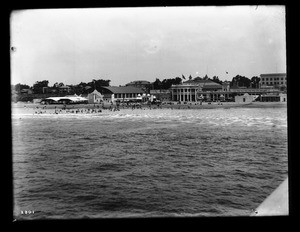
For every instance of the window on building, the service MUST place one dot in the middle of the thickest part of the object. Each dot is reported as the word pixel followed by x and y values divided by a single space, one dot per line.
pixel 267 83
pixel 267 79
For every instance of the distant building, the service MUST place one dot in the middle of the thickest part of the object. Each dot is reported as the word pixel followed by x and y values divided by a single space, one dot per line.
pixel 276 80
pixel 283 97
pixel 64 89
pixel 195 90
pixel 226 86
pixel 122 93
pixel 246 98
pixel 274 97
pixel 95 97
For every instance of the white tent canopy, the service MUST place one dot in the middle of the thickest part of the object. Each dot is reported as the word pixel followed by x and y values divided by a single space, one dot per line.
pixel 74 98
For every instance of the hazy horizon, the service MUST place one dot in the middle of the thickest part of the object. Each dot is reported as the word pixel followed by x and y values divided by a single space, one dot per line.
pixel 145 43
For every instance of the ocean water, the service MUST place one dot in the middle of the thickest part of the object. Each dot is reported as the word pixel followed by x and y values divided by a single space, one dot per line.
pixel 147 163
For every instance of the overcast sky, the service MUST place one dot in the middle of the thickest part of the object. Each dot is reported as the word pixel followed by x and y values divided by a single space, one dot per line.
pixel 127 44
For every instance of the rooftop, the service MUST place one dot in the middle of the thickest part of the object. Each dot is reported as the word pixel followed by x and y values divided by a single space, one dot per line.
pixel 200 81
pixel 138 82
pixel 96 93
pixel 123 89
pixel 273 74
pixel 210 86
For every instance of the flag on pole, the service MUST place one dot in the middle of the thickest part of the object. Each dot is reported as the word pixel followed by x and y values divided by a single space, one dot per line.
pixel 183 77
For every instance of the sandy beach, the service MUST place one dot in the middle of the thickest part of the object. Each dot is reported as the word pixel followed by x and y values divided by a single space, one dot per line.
pixel 107 107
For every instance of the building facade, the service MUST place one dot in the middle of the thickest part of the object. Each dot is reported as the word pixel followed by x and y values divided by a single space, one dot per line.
pixel 196 90
pixel 64 89
pixel 95 97
pixel 121 93
pixel 245 98
pixel 273 79
pixel 207 90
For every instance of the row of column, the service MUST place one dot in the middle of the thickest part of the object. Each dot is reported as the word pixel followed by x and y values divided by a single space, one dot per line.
pixel 184 96
pixel 192 96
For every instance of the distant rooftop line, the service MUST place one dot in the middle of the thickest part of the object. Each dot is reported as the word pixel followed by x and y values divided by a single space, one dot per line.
pixel 272 74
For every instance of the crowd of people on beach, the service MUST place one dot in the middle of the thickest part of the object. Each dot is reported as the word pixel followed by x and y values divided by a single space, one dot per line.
pixel 99 108
pixel 95 109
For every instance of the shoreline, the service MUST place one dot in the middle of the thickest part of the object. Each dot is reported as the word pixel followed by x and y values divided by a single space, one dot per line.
pixel 90 109
pixel 191 105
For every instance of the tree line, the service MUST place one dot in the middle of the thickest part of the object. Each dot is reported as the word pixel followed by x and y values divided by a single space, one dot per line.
pixel 237 81
pixel 84 88
pixel 81 88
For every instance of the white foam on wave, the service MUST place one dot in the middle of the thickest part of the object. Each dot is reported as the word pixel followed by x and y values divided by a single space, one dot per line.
pixel 218 117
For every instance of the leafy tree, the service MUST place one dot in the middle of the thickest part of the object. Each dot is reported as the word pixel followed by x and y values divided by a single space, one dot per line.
pixel 98 83
pixel 240 81
pixel 157 84
pixel 255 82
pixel 79 89
pixel 39 85
pixel 177 81
pixel 217 80
pixel 19 87
pixel 82 84
pixel 166 83
pixel 206 77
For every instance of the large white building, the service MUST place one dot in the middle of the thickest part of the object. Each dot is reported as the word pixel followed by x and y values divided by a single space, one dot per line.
pixel 195 90
pixel 122 93
pixel 273 79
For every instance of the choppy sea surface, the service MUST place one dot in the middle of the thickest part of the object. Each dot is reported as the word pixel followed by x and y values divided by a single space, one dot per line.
pixel 147 163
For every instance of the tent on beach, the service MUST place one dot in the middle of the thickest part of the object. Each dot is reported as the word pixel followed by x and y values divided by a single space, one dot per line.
pixel 64 100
